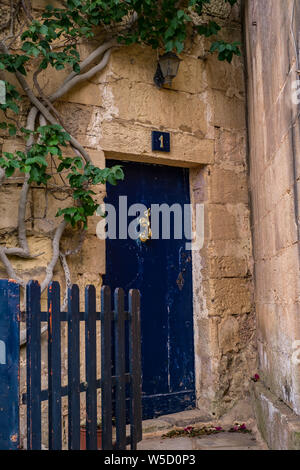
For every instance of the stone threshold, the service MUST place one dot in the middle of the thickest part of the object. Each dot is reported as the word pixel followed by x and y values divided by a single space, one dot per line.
pixel 153 429
pixel 165 423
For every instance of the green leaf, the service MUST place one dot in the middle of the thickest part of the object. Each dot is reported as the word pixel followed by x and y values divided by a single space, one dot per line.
pixel 53 150
pixel 179 46
pixel 12 130
pixel 169 46
pixel 76 67
pixel 12 105
pixel 39 160
pixel 9 171
pixel 44 29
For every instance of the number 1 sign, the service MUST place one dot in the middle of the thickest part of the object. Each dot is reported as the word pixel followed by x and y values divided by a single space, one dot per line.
pixel 160 141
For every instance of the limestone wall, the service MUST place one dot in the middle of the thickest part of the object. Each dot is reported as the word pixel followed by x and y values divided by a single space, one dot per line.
pixel 205 113
pixel 112 115
pixel 272 34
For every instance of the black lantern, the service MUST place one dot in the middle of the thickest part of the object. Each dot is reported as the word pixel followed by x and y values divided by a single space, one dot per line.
pixel 167 69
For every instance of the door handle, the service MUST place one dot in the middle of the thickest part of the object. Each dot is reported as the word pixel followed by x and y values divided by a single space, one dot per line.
pixel 145 226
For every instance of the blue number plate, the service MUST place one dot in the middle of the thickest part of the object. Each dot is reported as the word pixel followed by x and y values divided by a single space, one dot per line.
pixel 160 141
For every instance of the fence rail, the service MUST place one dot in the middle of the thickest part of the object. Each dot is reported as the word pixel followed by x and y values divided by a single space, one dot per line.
pixel 120 381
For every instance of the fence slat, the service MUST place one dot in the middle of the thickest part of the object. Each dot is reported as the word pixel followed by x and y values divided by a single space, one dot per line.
pixel 135 369
pixel 73 369
pixel 106 368
pixel 54 367
pixel 120 370
pixel 91 368
pixel 33 354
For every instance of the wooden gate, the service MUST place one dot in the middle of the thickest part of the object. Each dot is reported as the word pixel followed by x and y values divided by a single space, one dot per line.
pixel 120 388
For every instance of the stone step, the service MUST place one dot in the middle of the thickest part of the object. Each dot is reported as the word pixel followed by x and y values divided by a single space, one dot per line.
pixel 181 420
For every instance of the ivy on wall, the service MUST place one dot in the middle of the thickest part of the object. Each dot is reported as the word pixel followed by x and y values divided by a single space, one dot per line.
pixel 162 24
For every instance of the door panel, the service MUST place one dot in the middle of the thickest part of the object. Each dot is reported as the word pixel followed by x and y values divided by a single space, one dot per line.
pixel 162 271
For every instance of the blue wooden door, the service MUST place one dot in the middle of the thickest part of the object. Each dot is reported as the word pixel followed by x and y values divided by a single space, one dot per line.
pixel 162 270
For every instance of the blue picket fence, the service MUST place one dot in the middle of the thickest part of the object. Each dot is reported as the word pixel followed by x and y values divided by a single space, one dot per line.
pixel 120 380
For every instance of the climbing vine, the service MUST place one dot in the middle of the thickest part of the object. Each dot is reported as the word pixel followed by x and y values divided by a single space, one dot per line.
pixel 51 40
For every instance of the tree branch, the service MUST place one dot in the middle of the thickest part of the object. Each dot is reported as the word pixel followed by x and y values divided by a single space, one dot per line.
pixel 9 269
pixel 48 116
pixel 27 11
pixel 45 98
pixel 30 125
pixel 37 103
pixel 65 266
pixel 20 252
pixel 80 78
pixel 93 56
pixel 2 176
pixel 55 245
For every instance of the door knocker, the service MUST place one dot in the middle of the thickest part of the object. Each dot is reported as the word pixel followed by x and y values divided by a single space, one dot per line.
pixel 145 227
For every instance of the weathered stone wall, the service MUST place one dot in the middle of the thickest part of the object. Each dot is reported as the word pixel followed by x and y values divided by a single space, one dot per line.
pixel 112 115
pixel 272 36
pixel 205 113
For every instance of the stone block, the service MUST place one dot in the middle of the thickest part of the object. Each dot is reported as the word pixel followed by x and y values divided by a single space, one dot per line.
pixel 282 170
pixel 227 77
pixel 97 157
pixel 237 248
pixel 229 335
pixel 138 64
pixel 85 93
pixel 46 206
pixel 222 224
pixel 121 140
pixel 230 296
pixel 228 113
pixel 285 287
pixel 228 266
pixel 41 4
pixel 228 186
pixel 9 203
pixel 285 224
pixel 277 423
pixel 231 148
pixel 135 63
pixel 80 119
pixel 146 104
pixel 91 258
pixel 13 145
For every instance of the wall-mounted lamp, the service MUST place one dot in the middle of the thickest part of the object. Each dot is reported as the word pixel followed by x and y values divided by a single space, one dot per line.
pixel 167 69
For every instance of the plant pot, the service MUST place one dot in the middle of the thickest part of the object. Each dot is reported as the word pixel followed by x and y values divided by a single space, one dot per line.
pixel 83 438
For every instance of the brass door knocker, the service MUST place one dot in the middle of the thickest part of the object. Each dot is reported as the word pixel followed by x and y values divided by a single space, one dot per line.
pixel 145 227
